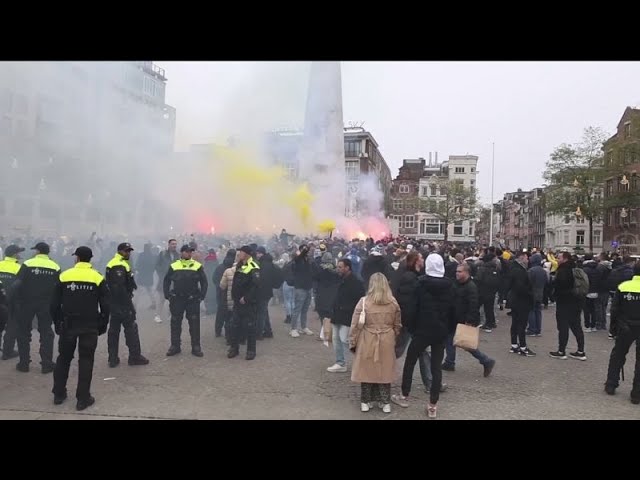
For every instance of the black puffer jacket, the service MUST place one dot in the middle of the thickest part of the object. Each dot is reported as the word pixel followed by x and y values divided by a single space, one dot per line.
pixel 406 296
pixel 350 291
pixel 375 264
pixel 595 274
pixel 435 314
pixel 302 273
pixel 521 292
pixel 466 303
pixel 563 285
pixel 268 277
pixel 327 280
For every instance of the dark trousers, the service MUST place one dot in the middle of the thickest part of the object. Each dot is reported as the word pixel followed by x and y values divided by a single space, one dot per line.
pixel 624 340
pixel 547 294
pixel 568 317
pixel 519 319
pixel 487 302
pixel 179 308
pixel 591 311
pixel 603 300
pixel 417 346
pixel 87 343
pixel 25 321
pixel 244 321
pixel 264 323
pixel 10 331
pixel 375 392
pixel 123 316
pixel 211 302
pixel 222 316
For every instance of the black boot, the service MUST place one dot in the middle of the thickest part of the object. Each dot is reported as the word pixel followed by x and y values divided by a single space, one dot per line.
pixel 85 403
pixel 173 350
pixel 47 367
pixel 233 352
pixel 138 360
pixel 114 362
pixel 58 399
pixel 9 355
pixel 22 367
pixel 250 355
pixel 197 351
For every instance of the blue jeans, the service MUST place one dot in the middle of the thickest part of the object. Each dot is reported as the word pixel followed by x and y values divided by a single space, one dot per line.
pixel 424 359
pixel 340 342
pixel 288 293
pixel 535 318
pixel 450 359
pixel 300 309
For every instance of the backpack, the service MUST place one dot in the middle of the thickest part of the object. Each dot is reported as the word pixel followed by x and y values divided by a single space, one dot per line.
pixel 488 277
pixel 580 283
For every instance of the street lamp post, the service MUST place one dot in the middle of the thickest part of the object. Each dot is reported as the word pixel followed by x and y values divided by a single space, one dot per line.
pixel 493 161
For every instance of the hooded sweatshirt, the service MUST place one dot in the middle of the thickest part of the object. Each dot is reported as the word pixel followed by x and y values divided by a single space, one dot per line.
pixel 537 277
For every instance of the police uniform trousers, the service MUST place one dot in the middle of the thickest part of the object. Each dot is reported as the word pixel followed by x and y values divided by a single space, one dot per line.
pixel 179 307
pixel 26 312
pixel 244 322
pixel 123 315
pixel 624 339
pixel 10 328
pixel 87 343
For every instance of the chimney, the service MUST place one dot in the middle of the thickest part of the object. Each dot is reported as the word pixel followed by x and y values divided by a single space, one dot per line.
pixel 436 158
pixel 429 158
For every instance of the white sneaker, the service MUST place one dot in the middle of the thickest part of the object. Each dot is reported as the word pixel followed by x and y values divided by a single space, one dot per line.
pixel 306 331
pixel 386 408
pixel 365 407
pixel 157 319
pixel 294 333
pixel 337 369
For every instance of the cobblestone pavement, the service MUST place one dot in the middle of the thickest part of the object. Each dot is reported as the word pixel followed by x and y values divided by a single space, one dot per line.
pixel 288 380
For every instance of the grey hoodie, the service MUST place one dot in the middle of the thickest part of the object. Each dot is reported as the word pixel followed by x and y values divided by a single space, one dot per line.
pixel 538 277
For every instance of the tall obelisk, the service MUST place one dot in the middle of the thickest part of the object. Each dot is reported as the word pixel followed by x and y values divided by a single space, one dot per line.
pixel 322 151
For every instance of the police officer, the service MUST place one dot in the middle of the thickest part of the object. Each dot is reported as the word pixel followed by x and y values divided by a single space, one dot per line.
pixel 625 323
pixel 80 312
pixel 33 289
pixel 244 292
pixel 121 285
pixel 4 307
pixel 9 269
pixel 185 286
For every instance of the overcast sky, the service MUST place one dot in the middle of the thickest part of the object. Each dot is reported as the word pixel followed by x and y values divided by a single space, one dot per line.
pixel 412 108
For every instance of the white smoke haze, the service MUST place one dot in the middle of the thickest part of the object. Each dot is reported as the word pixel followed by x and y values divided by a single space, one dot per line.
pixel 89 146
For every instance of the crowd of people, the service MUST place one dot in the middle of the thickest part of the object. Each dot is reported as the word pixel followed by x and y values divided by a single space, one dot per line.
pixel 376 303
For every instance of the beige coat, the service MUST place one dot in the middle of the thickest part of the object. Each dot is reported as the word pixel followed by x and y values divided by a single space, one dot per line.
pixel 375 342
pixel 226 283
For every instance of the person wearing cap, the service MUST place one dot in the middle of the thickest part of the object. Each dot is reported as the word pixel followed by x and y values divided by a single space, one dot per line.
pixel 9 269
pixel 185 286
pixel 375 263
pixel 121 285
pixel 245 292
pixel 80 311
pixel 33 289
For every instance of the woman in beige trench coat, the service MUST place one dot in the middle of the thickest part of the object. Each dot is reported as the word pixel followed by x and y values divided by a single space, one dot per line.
pixel 374 343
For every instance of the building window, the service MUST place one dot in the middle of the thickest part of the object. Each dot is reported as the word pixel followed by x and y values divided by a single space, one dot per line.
pixel 434 190
pixel 352 169
pixel 459 169
pixel 566 237
pixel 409 221
pixel 472 182
pixel 396 217
pixel 470 230
pixel 473 169
pixel 431 228
pixel 457 228
pixel 580 219
pixel 627 129
pixel 404 189
pixel 398 204
pixel 579 237
pixel 443 191
pixel 567 219
pixel 425 191
pixel 352 148
pixel 597 237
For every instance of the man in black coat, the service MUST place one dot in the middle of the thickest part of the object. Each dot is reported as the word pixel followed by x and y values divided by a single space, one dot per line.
pixel 568 308
pixel 375 263
pixel 488 282
pixel 593 314
pixel 223 314
pixel 467 313
pixel 521 301
pixel 350 291
pixel 270 276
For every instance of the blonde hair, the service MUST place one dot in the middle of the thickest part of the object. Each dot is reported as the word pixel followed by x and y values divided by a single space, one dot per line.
pixel 379 291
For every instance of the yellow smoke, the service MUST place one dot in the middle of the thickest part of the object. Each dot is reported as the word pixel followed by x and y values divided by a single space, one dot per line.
pixel 327 226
